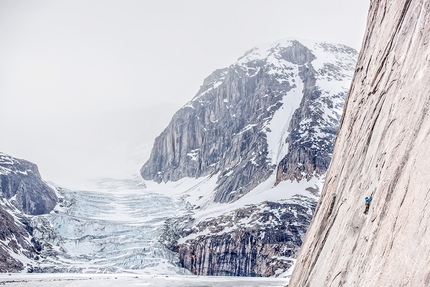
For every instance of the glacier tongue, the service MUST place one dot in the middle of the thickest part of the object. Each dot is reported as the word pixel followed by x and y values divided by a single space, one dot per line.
pixel 114 229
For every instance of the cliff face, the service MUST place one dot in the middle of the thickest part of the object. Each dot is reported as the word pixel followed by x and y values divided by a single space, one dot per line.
pixel 22 193
pixel 227 129
pixel 258 134
pixel 382 149
pixel 20 182
pixel 256 240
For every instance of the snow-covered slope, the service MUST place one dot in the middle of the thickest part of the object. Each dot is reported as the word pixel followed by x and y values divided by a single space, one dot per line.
pixel 259 130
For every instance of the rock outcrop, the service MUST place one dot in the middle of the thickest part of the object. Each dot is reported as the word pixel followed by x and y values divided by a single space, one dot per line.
pixel 22 185
pixel 269 118
pixel 14 243
pixel 22 193
pixel 256 240
pixel 382 150
pixel 228 128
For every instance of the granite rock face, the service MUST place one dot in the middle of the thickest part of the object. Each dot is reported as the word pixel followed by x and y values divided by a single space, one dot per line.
pixel 14 243
pixel 21 183
pixel 382 150
pixel 23 193
pixel 226 130
pixel 269 118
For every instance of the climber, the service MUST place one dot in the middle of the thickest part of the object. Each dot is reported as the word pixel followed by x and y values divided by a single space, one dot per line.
pixel 367 200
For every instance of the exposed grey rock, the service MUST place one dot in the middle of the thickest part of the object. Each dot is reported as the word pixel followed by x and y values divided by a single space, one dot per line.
pixel 223 130
pixel 257 240
pixel 21 183
pixel 22 193
pixel 16 241
pixel 310 154
pixel 382 149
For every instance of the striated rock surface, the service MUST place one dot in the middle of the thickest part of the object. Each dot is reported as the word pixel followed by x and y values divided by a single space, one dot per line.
pixel 21 183
pixel 241 124
pixel 256 240
pixel 22 193
pixel 269 118
pixel 15 243
pixel 382 150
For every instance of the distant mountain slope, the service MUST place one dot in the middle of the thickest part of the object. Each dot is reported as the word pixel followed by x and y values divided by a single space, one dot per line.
pixel 22 193
pixel 278 104
pixel 257 134
pixel 22 185
pixel 382 150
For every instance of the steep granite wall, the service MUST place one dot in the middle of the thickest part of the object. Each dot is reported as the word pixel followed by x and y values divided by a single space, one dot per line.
pixel 382 149
pixel 225 129
pixel 262 130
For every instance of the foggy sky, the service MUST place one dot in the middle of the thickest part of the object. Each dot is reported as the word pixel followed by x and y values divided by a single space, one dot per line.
pixel 86 86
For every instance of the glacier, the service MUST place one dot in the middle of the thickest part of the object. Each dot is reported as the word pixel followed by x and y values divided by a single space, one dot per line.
pixel 280 103
pixel 114 228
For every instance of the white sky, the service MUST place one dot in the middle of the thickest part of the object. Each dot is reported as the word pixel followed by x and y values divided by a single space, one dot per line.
pixel 86 86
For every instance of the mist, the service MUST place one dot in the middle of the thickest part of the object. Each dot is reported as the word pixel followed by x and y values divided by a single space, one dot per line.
pixel 86 86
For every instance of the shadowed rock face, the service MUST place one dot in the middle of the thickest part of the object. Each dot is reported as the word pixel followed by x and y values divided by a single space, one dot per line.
pixel 15 236
pixel 23 193
pixel 382 149
pixel 21 183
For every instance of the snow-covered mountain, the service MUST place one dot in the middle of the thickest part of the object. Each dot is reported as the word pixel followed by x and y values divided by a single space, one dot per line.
pixel 111 230
pixel 23 193
pixel 259 132
pixel 280 102
pixel 229 189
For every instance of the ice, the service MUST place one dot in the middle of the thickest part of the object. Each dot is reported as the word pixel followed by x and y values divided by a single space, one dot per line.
pixel 113 229
pixel 108 280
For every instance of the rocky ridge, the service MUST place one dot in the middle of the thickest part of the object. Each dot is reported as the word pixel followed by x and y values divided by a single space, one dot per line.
pixel 382 151
pixel 23 186
pixel 256 240
pixel 22 193
pixel 228 129
pixel 269 118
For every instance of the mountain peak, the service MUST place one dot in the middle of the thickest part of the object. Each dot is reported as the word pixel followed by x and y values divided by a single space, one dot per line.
pixel 249 116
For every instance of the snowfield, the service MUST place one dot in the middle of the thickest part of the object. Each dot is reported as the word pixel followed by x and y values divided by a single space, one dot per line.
pixel 106 280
